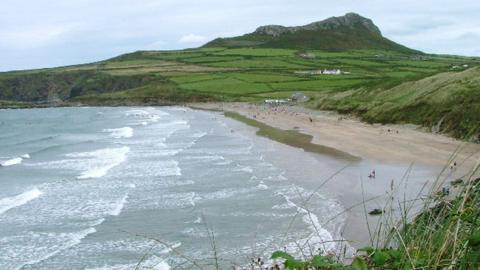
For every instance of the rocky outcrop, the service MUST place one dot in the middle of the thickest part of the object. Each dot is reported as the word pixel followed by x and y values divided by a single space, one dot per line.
pixel 350 20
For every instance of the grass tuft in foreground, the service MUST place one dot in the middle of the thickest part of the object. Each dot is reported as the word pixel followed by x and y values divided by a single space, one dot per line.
pixel 444 235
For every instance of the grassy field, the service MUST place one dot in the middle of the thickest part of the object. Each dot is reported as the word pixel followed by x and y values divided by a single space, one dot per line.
pixel 379 86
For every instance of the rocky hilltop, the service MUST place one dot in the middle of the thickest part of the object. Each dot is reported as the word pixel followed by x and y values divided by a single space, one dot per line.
pixel 347 32
pixel 351 20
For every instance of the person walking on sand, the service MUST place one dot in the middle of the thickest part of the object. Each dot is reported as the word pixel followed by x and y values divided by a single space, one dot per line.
pixel 453 166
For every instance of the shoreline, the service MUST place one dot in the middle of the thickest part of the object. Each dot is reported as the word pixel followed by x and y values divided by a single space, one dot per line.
pixel 393 144
pixel 355 188
pixel 292 138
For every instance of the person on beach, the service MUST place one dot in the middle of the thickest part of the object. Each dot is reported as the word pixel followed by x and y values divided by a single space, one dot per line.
pixel 310 119
pixel 453 166
pixel 372 175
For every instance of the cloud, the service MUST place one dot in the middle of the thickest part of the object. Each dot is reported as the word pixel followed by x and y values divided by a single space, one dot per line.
pixel 35 36
pixel 192 38
pixel 56 32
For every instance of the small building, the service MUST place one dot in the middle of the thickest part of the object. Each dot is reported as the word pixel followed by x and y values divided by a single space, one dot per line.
pixel 321 72
pixel 276 102
pixel 332 72
pixel 299 97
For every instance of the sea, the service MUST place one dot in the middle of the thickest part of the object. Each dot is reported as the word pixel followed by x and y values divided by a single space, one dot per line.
pixel 155 188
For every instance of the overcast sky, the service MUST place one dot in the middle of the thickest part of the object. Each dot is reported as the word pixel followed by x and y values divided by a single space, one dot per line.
pixel 47 33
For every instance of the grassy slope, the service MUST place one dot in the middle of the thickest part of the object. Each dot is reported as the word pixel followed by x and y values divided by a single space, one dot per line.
pixel 383 86
pixel 448 101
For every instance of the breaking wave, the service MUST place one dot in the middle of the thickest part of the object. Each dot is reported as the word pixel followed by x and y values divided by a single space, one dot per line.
pixel 21 199
pixel 119 133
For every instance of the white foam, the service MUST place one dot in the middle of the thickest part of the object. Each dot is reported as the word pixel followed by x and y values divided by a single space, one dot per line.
pixel 195 232
pixel 168 201
pixel 119 206
pixel 153 116
pixel 168 168
pixel 205 158
pixel 99 162
pixel 227 193
pixel 137 113
pixel 120 133
pixel 192 198
pixel 171 248
pixel 321 238
pixel 10 162
pixel 158 264
pixel 262 186
pixel 198 220
pixel 153 263
pixel 169 152
pixel 21 199
pixel 199 135
pixel 63 241
pixel 246 169
pixel 26 156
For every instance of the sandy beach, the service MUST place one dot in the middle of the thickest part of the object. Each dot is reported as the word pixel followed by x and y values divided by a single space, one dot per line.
pixel 381 147
pixel 386 143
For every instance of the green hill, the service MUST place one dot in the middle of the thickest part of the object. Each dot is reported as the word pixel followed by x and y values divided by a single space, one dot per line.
pixel 379 85
pixel 348 32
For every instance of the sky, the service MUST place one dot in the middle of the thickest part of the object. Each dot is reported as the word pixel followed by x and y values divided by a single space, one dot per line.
pixel 48 33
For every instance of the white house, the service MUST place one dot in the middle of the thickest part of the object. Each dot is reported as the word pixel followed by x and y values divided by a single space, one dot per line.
pixel 332 72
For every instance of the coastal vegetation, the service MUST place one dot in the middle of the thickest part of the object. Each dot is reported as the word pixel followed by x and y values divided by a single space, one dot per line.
pixel 375 78
pixel 445 234
pixel 378 80
pixel 435 91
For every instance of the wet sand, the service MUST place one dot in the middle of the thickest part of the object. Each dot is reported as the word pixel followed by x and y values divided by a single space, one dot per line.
pixel 406 159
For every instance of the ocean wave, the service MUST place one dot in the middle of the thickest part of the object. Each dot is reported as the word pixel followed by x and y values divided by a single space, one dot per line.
pixel 119 206
pixel 99 162
pixel 168 168
pixel 168 201
pixel 199 135
pixel 120 133
pixel 153 263
pixel 246 169
pixel 11 162
pixel 38 247
pixel 196 233
pixel 168 152
pixel 320 238
pixel 205 158
pixel 21 199
pixel 150 116
pixel 228 193
pixel 198 220
pixel 262 186
pixel 157 169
